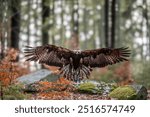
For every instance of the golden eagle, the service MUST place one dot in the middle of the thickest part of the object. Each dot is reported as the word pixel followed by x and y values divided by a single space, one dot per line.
pixel 76 64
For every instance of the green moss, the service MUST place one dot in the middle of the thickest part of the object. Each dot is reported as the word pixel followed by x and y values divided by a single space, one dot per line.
pixel 87 88
pixel 14 92
pixel 123 93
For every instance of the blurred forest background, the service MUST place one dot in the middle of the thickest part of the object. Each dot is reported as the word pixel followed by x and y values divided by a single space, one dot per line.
pixel 74 24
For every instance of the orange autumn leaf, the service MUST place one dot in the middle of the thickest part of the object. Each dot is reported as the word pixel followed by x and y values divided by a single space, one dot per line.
pixel 63 81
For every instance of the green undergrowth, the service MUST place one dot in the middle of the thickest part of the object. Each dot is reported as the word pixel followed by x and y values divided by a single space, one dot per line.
pixel 13 92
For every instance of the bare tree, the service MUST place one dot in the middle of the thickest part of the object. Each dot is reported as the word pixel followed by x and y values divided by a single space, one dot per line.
pixel 106 23
pixel 113 22
pixel 45 16
pixel 15 23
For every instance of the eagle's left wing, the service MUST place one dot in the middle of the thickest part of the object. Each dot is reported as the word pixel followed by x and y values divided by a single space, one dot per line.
pixel 104 56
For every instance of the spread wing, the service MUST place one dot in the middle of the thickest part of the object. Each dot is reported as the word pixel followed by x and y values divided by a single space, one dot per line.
pixel 48 54
pixel 105 56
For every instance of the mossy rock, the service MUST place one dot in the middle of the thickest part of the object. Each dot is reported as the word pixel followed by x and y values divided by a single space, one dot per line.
pixel 87 87
pixel 123 93
pixel 95 87
pixel 130 92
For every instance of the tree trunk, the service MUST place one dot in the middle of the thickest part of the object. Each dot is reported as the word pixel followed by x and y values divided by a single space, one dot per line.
pixel 101 32
pixel 85 28
pixel 75 26
pixel 62 26
pixel 15 23
pixel 118 23
pixel 53 15
pixel 1 44
pixel 113 17
pixel 28 23
pixel 106 23
pixel 147 25
pixel 45 16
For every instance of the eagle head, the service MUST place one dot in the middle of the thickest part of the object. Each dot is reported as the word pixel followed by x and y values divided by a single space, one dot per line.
pixel 77 51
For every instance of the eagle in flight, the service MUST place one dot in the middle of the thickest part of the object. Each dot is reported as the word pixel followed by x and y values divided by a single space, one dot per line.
pixel 76 65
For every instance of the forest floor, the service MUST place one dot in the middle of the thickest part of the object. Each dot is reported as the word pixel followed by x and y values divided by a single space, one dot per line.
pixel 62 90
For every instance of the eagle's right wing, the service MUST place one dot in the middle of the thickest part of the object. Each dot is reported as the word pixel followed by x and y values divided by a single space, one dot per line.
pixel 48 54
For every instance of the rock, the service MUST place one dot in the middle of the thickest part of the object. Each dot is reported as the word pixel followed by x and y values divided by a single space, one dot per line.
pixel 141 92
pixel 51 78
pixel 39 75
pixel 129 92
